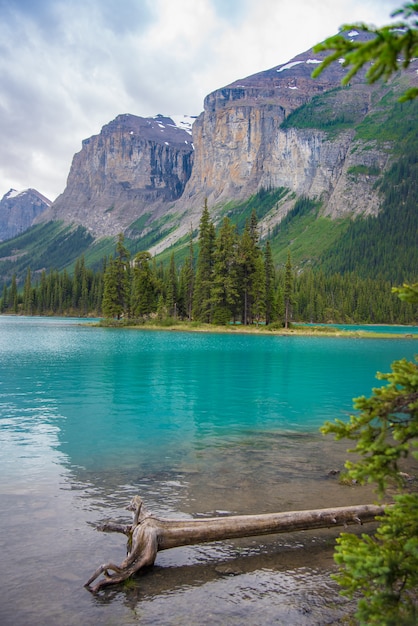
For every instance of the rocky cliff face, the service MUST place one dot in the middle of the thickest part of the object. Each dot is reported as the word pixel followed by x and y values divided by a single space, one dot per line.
pixel 239 144
pixel 277 128
pixel 246 140
pixel 134 166
pixel 19 209
pixel 242 141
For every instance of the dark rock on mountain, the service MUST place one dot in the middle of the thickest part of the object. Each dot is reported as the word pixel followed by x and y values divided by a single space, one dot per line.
pixel 18 210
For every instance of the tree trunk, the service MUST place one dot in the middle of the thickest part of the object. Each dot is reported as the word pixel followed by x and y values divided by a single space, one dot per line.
pixel 148 534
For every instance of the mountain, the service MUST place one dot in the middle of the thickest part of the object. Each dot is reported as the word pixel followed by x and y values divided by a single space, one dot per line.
pixel 315 159
pixel 135 167
pixel 18 210
pixel 140 172
pixel 149 166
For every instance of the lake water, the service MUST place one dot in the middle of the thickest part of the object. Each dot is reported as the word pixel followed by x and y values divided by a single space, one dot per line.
pixel 196 424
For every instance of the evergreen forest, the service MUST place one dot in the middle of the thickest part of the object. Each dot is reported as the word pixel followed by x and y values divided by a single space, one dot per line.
pixel 226 277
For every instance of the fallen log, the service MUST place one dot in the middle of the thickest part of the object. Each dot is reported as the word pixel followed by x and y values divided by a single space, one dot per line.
pixel 148 534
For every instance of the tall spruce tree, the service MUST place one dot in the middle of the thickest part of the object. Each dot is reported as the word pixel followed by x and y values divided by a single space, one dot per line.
pixel 225 292
pixel 13 302
pixel 258 290
pixel 65 291
pixel 171 288
pixel 3 301
pixel 116 290
pixel 202 303
pixel 143 296
pixel 186 283
pixel 270 284
pixel 28 295
pixel 249 255
pixel 111 304
pixel 288 291
pixel 83 303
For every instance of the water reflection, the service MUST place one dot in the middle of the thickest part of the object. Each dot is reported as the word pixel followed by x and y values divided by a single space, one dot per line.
pixel 142 396
pixel 272 585
pixel 196 425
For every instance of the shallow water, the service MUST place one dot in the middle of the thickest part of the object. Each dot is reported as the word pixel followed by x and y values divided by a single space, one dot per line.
pixel 208 424
pixel 374 328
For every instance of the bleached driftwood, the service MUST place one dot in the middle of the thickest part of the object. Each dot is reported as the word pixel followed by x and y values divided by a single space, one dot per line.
pixel 148 534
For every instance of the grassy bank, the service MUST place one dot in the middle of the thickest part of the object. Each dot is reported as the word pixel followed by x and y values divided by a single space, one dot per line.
pixel 273 329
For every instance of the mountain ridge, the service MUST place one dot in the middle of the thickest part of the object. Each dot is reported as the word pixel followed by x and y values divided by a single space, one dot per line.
pixel 278 129
pixel 239 147
pixel 133 164
pixel 19 209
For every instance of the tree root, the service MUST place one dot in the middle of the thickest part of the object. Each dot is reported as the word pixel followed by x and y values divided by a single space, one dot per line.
pixel 148 534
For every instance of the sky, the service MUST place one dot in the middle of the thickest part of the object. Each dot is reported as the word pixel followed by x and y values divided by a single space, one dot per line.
pixel 68 67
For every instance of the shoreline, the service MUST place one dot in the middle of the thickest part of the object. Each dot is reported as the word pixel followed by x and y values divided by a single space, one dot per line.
pixel 314 331
pixel 298 330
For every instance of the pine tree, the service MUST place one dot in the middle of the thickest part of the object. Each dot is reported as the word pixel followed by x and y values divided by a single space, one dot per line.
pixel 57 294
pixel 224 293
pixel 111 305
pixel 28 296
pixel 171 288
pixel 258 290
pixel 270 281
pixel 143 297
pixel 41 294
pixel 13 303
pixel 392 47
pixel 288 291
pixel 84 295
pixel 65 292
pixel 4 299
pixel 96 294
pixel 116 289
pixel 383 568
pixel 202 305
pixel 186 285
pixel 249 255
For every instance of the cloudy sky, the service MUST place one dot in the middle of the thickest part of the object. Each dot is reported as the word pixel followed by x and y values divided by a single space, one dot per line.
pixel 67 67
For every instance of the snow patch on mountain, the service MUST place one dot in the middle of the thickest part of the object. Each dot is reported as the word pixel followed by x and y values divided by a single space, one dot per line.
pixel 288 66
pixel 185 122
pixel 13 193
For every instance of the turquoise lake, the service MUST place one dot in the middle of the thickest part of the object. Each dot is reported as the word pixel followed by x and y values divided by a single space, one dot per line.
pixel 196 423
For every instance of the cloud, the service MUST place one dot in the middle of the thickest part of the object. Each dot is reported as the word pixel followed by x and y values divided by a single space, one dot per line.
pixel 68 68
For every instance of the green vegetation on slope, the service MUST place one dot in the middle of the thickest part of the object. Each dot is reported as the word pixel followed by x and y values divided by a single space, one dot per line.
pixel 305 233
pixel 392 121
pixel 333 112
pixel 95 254
pixel 227 277
pixel 346 108
pixel 157 230
pixel 262 203
pixel 386 245
pixel 60 246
